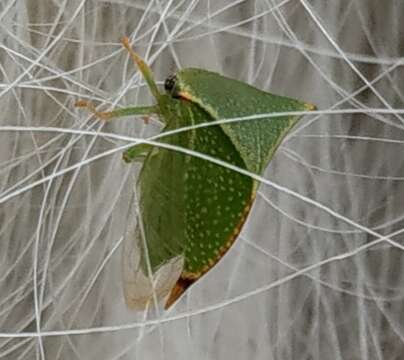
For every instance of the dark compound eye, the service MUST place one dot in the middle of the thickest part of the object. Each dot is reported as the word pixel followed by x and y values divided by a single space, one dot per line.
pixel 170 82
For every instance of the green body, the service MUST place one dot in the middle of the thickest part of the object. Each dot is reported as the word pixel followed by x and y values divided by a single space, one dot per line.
pixel 188 205
pixel 192 210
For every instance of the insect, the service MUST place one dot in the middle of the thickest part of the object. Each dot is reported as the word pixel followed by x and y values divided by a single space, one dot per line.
pixel 192 210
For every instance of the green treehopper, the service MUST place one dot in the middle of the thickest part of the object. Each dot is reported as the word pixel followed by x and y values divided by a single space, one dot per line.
pixel 192 210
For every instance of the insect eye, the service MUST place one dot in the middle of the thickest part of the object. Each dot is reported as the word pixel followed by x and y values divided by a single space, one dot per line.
pixel 169 84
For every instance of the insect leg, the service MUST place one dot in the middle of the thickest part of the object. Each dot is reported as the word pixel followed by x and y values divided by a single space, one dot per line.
pixel 143 67
pixel 138 110
pixel 136 153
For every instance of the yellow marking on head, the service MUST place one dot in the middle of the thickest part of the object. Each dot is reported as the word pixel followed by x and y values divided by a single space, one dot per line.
pixel 185 95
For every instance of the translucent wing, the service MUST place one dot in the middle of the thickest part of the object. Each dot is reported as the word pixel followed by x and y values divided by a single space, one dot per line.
pixel 153 253
pixel 139 286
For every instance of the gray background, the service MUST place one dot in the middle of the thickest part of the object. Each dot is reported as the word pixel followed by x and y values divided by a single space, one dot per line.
pixel 309 278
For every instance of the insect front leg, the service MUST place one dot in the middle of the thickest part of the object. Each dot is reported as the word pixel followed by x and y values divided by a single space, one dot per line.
pixel 136 153
pixel 128 111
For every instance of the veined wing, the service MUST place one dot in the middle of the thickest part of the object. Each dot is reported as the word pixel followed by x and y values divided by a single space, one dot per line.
pixel 141 286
